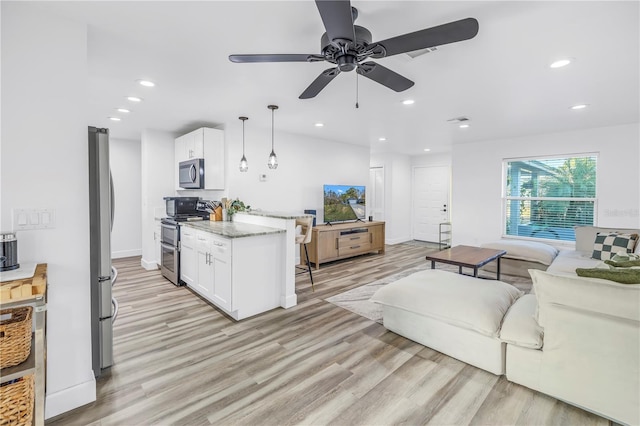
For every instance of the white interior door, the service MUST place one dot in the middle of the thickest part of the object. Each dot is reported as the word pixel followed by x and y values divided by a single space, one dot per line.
pixel 375 203
pixel 430 201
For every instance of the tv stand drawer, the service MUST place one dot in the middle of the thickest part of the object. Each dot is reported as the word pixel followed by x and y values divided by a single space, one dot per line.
pixel 354 240
pixel 354 249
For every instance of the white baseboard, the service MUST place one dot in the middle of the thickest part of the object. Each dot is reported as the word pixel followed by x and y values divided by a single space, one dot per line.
pixel 288 301
pixel 126 253
pixel 70 398
pixel 392 241
pixel 149 265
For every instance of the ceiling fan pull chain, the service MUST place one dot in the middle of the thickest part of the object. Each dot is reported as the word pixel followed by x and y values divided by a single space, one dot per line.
pixel 357 106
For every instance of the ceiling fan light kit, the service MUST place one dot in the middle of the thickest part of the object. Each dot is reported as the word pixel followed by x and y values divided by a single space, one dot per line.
pixel 273 160
pixel 244 165
pixel 348 46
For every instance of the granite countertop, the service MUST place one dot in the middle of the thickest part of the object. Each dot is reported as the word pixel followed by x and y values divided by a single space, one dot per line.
pixel 232 229
pixel 277 215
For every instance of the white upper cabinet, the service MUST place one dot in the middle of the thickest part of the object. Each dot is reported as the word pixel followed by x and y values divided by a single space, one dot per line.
pixel 203 143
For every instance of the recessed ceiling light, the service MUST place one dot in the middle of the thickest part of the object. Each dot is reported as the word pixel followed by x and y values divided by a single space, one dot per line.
pixel 382 139
pixel 114 118
pixel 134 99
pixel 427 150
pixel 560 63
pixel 146 83
pixel 408 102
pixel 123 110
pixel 579 106
pixel 463 126
pixel 319 124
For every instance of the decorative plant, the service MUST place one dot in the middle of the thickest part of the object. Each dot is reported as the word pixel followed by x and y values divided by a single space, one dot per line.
pixel 234 206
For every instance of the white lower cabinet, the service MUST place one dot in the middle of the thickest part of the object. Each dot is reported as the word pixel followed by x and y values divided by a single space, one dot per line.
pixel 221 263
pixel 188 256
pixel 241 276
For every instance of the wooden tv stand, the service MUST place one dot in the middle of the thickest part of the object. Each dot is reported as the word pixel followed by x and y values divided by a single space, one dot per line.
pixel 343 240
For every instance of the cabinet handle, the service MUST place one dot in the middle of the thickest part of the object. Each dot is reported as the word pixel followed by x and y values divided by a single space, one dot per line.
pixel 354 238
pixel 354 247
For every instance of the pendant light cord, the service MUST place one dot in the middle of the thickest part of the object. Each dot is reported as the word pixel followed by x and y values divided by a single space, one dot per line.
pixel 272 110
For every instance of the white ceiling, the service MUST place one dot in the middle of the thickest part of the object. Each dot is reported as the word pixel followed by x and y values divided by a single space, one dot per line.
pixel 500 79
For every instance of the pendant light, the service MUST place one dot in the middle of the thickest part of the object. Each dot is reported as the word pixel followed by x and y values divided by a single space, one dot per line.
pixel 273 160
pixel 244 165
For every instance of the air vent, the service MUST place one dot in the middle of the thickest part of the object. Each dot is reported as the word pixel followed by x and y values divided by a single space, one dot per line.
pixel 414 54
pixel 458 120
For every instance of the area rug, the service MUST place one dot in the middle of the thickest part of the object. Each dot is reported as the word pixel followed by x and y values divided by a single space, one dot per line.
pixel 357 301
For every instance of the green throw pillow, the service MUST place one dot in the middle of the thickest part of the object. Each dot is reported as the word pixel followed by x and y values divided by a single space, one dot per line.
pixel 623 263
pixel 623 276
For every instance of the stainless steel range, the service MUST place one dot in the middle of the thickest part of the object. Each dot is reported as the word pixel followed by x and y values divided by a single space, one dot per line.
pixel 179 209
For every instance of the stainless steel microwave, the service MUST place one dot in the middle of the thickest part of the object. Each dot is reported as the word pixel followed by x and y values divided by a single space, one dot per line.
pixel 191 174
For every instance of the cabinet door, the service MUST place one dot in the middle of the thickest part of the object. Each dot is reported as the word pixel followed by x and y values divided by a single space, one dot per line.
pixel 213 146
pixel 204 281
pixel 188 256
pixel 197 143
pixel 328 244
pixel 221 253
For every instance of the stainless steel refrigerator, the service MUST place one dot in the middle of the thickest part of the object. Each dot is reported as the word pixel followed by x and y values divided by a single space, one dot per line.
pixel 104 308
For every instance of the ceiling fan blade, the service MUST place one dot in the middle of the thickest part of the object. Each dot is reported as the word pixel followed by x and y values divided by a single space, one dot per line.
pixel 276 58
pixel 320 83
pixel 452 32
pixel 384 76
pixel 337 19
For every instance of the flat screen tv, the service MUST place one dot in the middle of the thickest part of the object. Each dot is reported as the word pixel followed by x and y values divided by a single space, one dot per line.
pixel 344 203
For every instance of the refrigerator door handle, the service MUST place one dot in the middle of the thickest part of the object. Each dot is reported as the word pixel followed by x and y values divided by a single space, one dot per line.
pixel 116 308
pixel 114 275
pixel 112 193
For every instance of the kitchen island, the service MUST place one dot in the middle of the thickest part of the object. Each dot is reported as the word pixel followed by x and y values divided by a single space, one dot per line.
pixel 287 222
pixel 236 266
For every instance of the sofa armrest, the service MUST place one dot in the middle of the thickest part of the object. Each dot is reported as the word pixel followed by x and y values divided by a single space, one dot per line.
pixel 593 295
pixel 591 352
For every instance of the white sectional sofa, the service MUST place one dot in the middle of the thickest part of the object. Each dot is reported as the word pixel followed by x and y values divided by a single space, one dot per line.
pixel 576 339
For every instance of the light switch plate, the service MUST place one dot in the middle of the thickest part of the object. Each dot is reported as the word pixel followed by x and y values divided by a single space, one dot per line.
pixel 24 219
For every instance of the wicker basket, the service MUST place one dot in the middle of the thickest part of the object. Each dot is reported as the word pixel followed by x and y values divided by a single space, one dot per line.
pixel 16 402
pixel 15 336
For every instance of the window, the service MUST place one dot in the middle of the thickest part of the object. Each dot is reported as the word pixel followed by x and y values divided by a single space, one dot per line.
pixel 546 197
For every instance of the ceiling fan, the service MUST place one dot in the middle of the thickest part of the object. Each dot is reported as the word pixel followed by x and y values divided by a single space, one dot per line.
pixel 348 46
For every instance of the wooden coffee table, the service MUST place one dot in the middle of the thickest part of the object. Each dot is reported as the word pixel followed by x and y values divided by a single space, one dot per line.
pixel 468 257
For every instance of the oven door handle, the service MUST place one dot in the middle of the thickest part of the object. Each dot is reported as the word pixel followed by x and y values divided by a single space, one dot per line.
pixel 169 227
pixel 169 246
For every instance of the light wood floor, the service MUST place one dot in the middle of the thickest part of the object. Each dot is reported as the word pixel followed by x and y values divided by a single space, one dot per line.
pixel 180 361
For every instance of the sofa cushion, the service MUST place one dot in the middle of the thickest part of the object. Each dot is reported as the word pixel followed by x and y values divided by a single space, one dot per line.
pixel 467 302
pixel 586 294
pixel 525 250
pixel 519 326
pixel 585 235
pixel 606 245
pixel 568 260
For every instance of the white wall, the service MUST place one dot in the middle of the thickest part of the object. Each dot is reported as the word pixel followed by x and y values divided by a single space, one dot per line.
pixel 125 161
pixel 45 165
pixel 397 197
pixel 304 166
pixel 157 151
pixel 477 177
